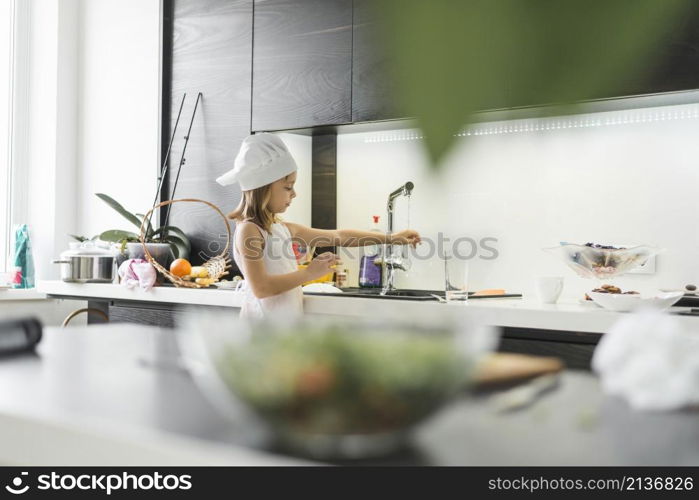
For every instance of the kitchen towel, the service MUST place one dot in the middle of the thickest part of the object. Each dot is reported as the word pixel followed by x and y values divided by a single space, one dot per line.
pixel 23 256
pixel 649 359
pixel 137 272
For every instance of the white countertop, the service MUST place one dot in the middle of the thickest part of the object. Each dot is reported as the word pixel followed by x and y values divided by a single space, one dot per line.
pixel 21 294
pixel 567 315
pixel 166 294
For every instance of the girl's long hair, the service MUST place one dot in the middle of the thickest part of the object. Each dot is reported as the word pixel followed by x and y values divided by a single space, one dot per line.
pixel 253 207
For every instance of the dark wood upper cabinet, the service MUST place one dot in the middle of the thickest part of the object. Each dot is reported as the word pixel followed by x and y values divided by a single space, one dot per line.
pixel 302 63
pixel 671 65
pixel 373 88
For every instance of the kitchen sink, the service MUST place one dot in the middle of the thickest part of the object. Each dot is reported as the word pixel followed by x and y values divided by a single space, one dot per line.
pixel 407 294
pixel 375 293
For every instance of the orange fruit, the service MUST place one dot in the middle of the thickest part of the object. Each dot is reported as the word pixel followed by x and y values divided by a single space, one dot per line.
pixel 180 267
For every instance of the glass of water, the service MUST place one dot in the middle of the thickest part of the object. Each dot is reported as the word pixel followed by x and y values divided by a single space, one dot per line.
pixel 455 278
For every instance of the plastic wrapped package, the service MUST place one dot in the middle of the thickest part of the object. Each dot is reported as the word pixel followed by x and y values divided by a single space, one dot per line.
pixel 595 261
pixel 137 272
pixel 23 257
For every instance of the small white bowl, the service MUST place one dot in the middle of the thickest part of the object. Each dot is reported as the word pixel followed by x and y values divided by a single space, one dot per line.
pixel 620 302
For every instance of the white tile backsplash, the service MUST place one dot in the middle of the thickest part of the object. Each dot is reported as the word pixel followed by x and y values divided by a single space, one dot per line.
pixel 300 148
pixel 623 177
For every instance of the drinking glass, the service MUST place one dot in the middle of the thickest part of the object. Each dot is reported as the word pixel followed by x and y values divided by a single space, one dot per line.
pixel 549 288
pixel 455 278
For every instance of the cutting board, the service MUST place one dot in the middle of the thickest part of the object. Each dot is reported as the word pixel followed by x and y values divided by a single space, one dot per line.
pixel 505 368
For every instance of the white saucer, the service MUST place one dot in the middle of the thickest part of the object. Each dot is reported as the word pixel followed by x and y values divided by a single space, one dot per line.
pixel 226 285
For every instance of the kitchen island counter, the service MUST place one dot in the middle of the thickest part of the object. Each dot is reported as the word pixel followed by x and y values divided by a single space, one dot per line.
pixel 116 394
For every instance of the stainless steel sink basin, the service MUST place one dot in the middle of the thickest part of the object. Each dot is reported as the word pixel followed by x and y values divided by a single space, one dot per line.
pixel 422 295
pixel 375 293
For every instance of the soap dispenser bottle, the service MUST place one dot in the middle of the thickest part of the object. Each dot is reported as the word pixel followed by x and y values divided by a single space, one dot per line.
pixel 369 270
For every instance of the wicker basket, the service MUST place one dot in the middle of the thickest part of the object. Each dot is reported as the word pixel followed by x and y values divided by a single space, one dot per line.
pixel 216 266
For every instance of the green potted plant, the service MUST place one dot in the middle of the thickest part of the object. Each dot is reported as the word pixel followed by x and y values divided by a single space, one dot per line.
pixel 163 243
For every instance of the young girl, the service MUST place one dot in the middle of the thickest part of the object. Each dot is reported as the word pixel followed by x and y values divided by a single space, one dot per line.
pixel 262 243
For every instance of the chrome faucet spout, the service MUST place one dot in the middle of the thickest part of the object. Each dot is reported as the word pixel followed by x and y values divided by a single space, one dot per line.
pixel 389 262
pixel 405 190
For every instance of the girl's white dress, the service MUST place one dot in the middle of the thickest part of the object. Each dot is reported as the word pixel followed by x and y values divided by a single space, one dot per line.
pixel 278 258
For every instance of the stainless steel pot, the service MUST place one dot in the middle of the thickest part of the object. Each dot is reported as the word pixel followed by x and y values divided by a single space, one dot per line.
pixel 87 265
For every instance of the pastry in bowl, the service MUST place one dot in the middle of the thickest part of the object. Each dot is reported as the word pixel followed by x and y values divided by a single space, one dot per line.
pixel 610 289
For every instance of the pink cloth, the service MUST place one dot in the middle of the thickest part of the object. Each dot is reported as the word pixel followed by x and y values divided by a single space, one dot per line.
pixel 133 272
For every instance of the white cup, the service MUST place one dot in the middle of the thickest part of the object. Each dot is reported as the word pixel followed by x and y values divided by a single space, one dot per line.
pixel 549 288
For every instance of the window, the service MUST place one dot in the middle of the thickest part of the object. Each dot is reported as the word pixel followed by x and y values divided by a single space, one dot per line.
pixel 7 23
pixel 14 21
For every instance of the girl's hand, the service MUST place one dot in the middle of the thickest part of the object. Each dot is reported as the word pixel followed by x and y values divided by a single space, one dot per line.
pixel 321 265
pixel 406 237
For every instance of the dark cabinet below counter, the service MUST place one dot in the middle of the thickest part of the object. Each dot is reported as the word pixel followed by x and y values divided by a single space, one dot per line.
pixel 302 63
pixel 575 349
pixel 144 313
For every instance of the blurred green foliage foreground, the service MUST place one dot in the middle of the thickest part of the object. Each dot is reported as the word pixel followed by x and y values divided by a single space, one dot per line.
pixel 451 58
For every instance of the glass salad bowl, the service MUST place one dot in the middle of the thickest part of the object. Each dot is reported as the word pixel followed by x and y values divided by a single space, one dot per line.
pixel 331 389
pixel 602 262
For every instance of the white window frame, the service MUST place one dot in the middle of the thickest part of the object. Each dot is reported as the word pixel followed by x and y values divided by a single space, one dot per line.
pixel 5 174
pixel 15 196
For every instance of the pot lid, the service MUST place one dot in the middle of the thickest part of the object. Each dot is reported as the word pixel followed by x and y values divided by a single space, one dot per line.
pixel 84 249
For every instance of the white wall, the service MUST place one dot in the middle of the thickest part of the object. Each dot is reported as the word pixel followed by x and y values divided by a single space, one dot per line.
pixel 36 172
pixel 300 148
pixel 624 177
pixel 92 122
pixel 89 121
pixel 118 109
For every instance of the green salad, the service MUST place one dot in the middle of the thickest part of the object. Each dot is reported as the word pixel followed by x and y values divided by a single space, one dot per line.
pixel 340 380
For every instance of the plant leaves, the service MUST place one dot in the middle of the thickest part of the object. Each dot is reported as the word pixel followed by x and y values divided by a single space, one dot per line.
pixel 177 231
pixel 117 206
pixel 117 235
pixel 179 248
pixel 178 251
pixel 78 238
pixel 149 227
pixel 450 59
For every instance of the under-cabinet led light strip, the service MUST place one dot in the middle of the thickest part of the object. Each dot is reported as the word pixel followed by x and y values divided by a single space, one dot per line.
pixel 604 119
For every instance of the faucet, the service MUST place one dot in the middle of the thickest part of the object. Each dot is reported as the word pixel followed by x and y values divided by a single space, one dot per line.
pixel 390 262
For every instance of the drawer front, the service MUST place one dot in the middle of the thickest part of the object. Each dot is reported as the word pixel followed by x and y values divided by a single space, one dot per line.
pixel 144 316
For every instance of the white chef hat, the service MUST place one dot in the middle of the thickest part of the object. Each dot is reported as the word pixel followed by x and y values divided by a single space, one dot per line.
pixel 262 159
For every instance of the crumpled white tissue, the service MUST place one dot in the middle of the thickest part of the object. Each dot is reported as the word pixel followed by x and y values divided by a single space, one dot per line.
pixel 651 360
pixel 137 272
